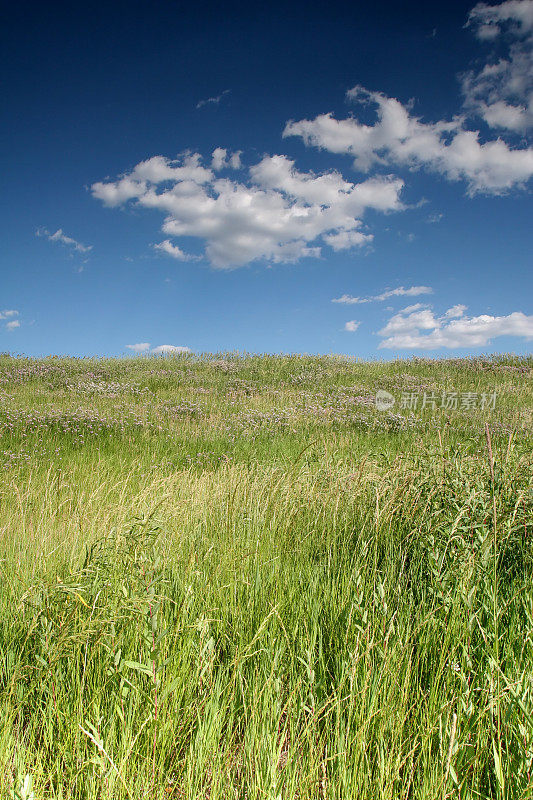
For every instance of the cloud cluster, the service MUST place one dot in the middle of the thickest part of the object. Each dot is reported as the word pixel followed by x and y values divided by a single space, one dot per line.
pixel 398 138
pixel 417 328
pixel 160 350
pixel 411 291
pixel 501 92
pixel 62 238
pixel 490 20
pixel 9 316
pixel 272 211
pixel 275 212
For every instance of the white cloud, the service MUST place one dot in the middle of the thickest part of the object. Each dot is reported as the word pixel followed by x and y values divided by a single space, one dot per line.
pixel 9 315
pixel 329 189
pixel 344 240
pixel 414 307
pixel 186 171
pixel 348 299
pixel 169 349
pixel 141 347
pixel 162 349
pixel 501 92
pixel 489 19
pixel 455 311
pixel 352 325
pixel 173 251
pixel 220 159
pixel 411 291
pixel 212 101
pixel 279 213
pixel 416 327
pixel 399 138
pixel 62 238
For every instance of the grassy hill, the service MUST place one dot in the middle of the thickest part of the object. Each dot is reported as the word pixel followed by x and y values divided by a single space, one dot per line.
pixel 235 577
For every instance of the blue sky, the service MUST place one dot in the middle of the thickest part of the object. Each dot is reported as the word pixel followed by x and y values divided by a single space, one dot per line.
pixel 278 179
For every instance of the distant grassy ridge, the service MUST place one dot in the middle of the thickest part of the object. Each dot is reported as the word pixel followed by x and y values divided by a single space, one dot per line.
pixel 232 576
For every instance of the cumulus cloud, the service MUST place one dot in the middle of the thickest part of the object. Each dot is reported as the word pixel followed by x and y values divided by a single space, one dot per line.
pixel 411 291
pixel 162 349
pixel 278 213
pixel 12 324
pixel 221 160
pixel 62 238
pixel 501 92
pixel 186 171
pixel 329 189
pixel 399 138
pixel 212 101
pixel 417 328
pixel 351 325
pixel 7 313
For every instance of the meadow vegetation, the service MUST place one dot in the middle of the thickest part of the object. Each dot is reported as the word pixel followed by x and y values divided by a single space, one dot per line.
pixel 232 576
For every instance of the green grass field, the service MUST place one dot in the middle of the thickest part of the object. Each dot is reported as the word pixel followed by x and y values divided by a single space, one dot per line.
pixel 234 577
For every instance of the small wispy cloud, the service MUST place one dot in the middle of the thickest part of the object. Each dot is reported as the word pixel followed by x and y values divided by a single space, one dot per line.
pixel 455 311
pixel 8 313
pixel 141 347
pixel 62 238
pixel 174 251
pixel 12 324
pixel 160 350
pixel 212 101
pixel 352 325
pixel 411 291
